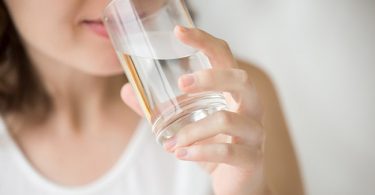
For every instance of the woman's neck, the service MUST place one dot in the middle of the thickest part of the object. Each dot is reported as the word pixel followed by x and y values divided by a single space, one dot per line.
pixel 81 101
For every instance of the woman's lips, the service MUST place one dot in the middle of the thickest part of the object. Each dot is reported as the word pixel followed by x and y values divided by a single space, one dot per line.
pixel 97 27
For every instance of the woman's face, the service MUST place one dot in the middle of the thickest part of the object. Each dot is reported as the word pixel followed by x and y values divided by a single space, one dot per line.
pixel 68 32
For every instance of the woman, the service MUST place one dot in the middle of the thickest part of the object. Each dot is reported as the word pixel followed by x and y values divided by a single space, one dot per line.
pixel 66 127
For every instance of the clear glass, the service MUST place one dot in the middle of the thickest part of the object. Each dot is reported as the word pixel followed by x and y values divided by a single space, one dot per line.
pixel 153 59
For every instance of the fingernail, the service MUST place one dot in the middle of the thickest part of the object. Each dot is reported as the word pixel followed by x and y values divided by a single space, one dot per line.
pixel 187 80
pixel 182 29
pixel 170 143
pixel 181 153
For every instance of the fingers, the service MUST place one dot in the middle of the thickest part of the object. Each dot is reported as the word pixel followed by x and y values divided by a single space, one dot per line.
pixel 217 50
pixel 244 130
pixel 198 141
pixel 231 154
pixel 128 96
pixel 231 80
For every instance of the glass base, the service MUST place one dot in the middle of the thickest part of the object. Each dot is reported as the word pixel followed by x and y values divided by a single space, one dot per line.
pixel 197 109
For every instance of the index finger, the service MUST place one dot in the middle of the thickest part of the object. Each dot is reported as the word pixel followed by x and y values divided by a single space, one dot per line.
pixel 217 50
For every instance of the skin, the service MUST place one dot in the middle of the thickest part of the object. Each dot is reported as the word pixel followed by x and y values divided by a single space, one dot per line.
pixel 82 74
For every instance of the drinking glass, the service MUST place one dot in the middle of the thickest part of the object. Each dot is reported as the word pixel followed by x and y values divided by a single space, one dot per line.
pixel 142 33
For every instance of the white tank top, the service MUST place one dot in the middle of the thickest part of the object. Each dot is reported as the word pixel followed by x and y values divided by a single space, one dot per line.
pixel 143 168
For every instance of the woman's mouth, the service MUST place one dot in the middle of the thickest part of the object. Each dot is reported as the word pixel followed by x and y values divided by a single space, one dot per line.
pixel 97 27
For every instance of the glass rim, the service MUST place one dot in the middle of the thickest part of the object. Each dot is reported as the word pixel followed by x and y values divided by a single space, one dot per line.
pixel 109 5
pixel 106 9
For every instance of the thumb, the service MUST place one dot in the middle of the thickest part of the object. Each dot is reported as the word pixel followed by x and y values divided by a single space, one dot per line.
pixel 128 96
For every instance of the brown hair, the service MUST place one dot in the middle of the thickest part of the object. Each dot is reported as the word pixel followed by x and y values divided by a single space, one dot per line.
pixel 20 90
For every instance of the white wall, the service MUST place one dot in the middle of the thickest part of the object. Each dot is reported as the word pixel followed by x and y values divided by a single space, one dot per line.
pixel 321 55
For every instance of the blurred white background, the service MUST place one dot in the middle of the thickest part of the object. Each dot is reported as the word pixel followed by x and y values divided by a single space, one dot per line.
pixel 321 57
